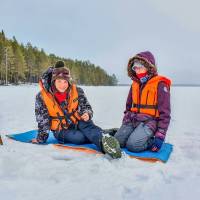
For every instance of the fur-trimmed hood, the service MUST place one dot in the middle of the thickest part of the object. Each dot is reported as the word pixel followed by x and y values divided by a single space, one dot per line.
pixel 148 61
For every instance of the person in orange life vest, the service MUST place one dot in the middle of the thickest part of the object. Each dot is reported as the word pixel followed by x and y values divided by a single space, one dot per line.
pixel 147 114
pixel 63 108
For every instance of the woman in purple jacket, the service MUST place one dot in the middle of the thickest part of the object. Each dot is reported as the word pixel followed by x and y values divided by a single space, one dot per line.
pixel 147 114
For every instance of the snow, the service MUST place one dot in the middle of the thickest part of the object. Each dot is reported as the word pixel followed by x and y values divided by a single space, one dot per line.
pixel 43 172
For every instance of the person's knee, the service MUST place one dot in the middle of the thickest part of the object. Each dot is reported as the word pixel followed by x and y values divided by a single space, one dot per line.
pixel 136 145
pixel 123 133
pixel 70 136
pixel 120 139
pixel 79 140
pixel 75 137
pixel 138 140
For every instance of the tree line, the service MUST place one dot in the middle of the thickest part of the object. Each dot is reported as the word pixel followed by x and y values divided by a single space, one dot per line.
pixel 21 63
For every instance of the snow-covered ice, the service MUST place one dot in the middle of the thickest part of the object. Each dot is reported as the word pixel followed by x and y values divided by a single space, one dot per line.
pixel 29 172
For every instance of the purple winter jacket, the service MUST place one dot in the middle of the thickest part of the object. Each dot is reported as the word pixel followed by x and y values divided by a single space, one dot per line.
pixel 158 125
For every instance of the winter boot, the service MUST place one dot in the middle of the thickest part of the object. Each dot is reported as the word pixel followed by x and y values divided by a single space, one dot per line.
pixel 111 131
pixel 111 146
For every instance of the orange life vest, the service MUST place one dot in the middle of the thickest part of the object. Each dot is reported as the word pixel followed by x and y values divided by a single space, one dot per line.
pixel 58 118
pixel 146 101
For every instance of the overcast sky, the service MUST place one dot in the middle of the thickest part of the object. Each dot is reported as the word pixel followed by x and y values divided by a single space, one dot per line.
pixel 109 32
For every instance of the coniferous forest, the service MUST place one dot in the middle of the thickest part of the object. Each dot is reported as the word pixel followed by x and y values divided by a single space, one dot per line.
pixel 21 63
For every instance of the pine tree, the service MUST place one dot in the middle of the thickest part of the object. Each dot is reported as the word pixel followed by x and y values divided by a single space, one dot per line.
pixel 19 63
pixel 27 63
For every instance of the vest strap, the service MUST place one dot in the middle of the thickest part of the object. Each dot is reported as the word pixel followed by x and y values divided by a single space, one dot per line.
pixel 144 106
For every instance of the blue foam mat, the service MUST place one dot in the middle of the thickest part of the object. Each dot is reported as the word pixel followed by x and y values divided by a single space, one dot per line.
pixel 162 155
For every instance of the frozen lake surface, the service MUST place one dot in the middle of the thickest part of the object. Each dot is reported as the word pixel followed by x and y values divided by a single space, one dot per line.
pixel 32 172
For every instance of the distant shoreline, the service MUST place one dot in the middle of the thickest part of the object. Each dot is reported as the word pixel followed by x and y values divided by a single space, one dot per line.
pixel 173 85
pixel 185 85
pixel 119 85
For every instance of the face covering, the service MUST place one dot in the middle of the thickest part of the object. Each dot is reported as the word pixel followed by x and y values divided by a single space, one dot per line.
pixel 137 65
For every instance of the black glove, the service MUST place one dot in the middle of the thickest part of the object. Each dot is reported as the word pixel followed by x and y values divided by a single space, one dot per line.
pixel 42 137
pixel 157 144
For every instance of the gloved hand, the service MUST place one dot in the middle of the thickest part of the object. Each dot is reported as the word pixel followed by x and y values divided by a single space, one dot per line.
pixel 127 117
pixel 157 144
pixel 41 138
